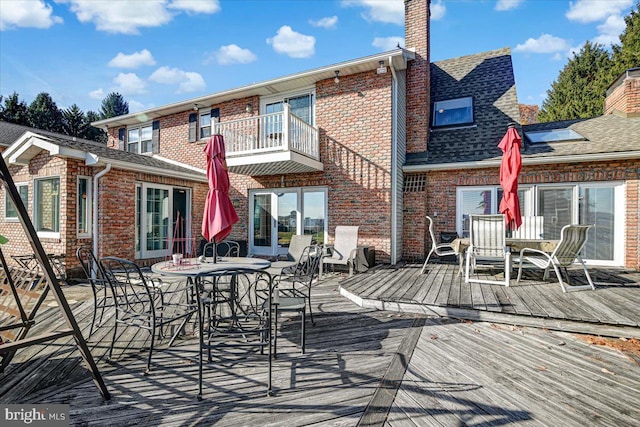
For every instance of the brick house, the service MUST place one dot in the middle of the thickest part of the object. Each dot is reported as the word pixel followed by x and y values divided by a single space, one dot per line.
pixel 74 188
pixel 380 142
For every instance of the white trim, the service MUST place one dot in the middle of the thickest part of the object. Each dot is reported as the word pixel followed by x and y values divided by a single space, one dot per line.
pixel 7 199
pixel 89 206
pixel 46 234
pixel 394 163
pixel 182 165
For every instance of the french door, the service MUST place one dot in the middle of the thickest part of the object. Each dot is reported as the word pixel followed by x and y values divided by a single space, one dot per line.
pixel 277 214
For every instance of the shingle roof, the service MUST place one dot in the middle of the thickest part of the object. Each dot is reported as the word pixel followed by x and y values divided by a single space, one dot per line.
pixel 488 78
pixel 10 130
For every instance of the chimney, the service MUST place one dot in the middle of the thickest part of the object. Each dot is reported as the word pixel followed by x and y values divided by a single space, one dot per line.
pixel 416 33
pixel 623 96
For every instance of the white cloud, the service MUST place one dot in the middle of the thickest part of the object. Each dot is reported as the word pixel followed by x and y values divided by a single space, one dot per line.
pixel 97 94
pixel 390 11
pixel 387 43
pixel 134 60
pixel 195 6
pixel 503 5
pixel 27 14
pixel 610 30
pixel 292 43
pixel 546 43
pixel 129 84
pixel 328 22
pixel 187 81
pixel 234 54
pixel 135 106
pixel 586 11
pixel 438 10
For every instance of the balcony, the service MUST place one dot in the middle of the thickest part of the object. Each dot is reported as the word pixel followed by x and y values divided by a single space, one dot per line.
pixel 271 144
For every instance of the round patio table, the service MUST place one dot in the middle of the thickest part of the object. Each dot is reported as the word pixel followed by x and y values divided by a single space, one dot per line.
pixel 191 267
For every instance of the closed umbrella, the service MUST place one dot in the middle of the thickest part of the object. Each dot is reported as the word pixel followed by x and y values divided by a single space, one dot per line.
pixel 509 170
pixel 219 213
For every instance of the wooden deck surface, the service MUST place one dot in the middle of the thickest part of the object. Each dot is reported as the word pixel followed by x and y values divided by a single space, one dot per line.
pixel 363 367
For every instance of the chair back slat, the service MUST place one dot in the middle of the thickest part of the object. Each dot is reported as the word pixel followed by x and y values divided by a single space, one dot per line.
pixel 572 240
pixel 487 235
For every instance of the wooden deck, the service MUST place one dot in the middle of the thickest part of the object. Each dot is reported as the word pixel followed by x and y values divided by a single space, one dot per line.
pixel 611 310
pixel 363 367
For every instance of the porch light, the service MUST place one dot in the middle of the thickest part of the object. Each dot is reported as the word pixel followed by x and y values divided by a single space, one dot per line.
pixel 336 79
pixel 381 68
pixel 249 108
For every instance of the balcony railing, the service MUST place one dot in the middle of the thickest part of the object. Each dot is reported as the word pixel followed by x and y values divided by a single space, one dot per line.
pixel 268 133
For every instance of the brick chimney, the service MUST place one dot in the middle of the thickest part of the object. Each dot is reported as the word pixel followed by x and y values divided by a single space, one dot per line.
pixel 623 96
pixel 416 24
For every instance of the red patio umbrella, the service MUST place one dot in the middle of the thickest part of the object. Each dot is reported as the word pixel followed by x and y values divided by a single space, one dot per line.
pixel 509 170
pixel 219 213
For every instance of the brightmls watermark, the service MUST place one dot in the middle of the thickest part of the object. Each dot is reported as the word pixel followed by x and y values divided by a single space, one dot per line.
pixel 34 415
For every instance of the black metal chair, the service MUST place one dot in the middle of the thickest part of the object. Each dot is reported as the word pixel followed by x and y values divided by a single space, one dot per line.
pixel 293 285
pixel 145 303
pixel 102 298
pixel 226 248
pixel 240 318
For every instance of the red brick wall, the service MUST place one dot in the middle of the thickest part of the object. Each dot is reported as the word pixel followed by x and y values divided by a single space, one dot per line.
pixel 418 75
pixel 625 98
pixel 441 194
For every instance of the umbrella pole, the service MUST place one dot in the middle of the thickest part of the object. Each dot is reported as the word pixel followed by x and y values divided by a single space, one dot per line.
pixel 215 251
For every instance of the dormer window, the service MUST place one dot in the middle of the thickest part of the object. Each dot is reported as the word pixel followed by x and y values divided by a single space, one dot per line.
pixel 453 112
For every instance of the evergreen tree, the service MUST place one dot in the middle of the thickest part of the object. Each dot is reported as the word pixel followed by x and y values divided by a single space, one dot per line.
pixel 44 113
pixel 113 105
pixel 93 133
pixel 15 110
pixel 580 88
pixel 627 54
pixel 74 122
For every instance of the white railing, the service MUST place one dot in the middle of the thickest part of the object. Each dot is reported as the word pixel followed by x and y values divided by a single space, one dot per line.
pixel 272 132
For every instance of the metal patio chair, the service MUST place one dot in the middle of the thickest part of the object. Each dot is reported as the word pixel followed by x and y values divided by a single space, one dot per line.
pixel 102 297
pixel 572 240
pixel 488 243
pixel 344 249
pixel 440 249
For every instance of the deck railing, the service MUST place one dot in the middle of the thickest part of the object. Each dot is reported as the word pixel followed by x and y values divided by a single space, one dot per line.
pixel 273 132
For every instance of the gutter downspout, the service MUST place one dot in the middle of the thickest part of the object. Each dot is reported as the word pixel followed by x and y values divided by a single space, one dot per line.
pixel 95 207
pixel 394 163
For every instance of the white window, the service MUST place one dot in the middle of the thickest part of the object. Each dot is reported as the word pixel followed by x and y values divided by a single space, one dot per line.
pixel 204 123
pixel 302 104
pixel 10 211
pixel 163 217
pixel 139 139
pixel 46 206
pixel 83 207
pixel 453 112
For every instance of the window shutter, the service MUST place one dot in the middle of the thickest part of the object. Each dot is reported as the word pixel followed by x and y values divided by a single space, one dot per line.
pixel 155 136
pixel 193 121
pixel 215 119
pixel 121 133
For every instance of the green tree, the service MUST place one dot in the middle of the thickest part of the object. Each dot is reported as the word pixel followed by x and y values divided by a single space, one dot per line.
pixel 74 122
pixel 93 133
pixel 627 54
pixel 15 110
pixel 580 88
pixel 113 105
pixel 44 113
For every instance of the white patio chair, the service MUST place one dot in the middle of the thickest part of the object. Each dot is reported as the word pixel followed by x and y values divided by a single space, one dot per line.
pixel 296 247
pixel 488 243
pixel 572 240
pixel 532 228
pixel 344 249
pixel 440 249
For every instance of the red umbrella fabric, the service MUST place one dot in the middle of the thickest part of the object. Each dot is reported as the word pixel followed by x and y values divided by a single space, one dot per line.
pixel 219 213
pixel 509 170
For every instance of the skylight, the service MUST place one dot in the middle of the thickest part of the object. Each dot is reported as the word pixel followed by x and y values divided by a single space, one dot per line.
pixel 554 135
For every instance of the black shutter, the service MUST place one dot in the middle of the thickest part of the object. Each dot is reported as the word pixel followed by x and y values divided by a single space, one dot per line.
pixel 215 119
pixel 121 133
pixel 155 136
pixel 193 128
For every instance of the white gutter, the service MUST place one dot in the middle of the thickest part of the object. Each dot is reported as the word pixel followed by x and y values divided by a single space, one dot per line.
pixel 394 163
pixel 95 207
pixel 95 160
pixel 526 161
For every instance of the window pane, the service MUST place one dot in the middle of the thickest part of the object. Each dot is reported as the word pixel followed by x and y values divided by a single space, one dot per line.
pixel 138 216
pixel 205 125
pixel 554 204
pixel 287 215
pixel 146 142
pixel 157 219
pixel 10 209
pixel 47 205
pixel 262 220
pixel 453 112
pixel 474 202
pixel 83 206
pixel 313 215
pixel 301 107
pixel 596 207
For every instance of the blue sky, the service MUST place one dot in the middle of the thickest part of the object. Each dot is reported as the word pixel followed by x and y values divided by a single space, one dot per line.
pixel 156 52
